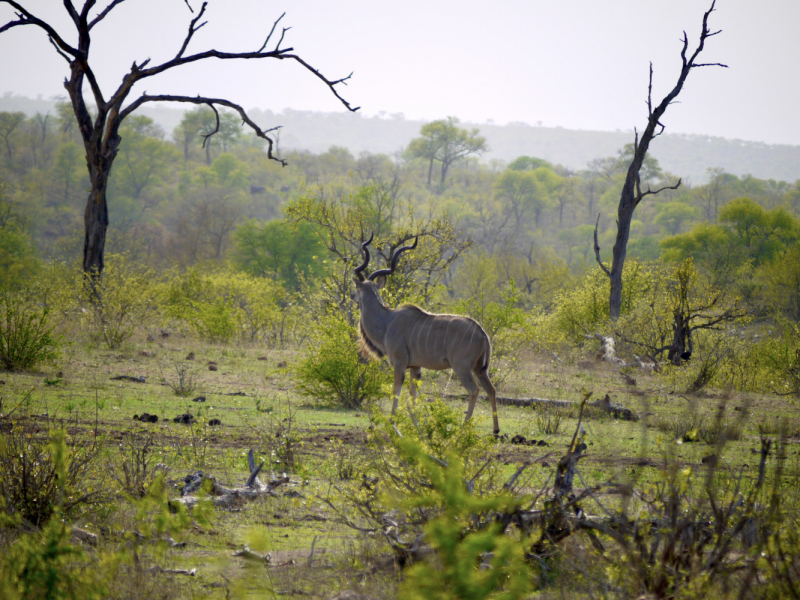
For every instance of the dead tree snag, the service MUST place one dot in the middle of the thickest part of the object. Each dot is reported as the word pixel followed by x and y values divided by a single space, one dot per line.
pixel 100 132
pixel 632 194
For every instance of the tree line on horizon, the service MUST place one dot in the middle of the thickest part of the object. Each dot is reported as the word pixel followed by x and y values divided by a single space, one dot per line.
pixel 219 200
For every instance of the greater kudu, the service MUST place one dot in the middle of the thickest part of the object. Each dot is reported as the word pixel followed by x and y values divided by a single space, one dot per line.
pixel 414 339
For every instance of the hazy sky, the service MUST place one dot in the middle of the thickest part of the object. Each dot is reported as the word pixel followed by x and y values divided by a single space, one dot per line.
pixel 579 64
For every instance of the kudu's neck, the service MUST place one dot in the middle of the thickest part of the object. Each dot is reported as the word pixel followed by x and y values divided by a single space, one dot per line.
pixel 375 318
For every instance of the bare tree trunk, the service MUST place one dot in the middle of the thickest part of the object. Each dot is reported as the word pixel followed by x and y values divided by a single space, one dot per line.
pixel 95 220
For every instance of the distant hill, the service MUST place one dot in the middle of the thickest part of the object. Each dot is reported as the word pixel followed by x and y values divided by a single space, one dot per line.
pixel 686 155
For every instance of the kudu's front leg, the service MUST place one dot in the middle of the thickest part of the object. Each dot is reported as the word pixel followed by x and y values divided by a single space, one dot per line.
pixel 399 377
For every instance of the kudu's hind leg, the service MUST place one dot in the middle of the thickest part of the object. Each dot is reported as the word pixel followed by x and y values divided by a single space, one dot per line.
pixel 468 381
pixel 488 387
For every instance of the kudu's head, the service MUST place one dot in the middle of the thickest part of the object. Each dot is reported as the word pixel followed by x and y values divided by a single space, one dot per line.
pixel 371 284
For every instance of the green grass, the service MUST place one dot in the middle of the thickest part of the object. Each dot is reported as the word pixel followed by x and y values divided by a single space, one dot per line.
pixel 86 399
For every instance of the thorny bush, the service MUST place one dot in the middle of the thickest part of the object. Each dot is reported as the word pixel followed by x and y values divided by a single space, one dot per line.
pixel 26 338
pixel 41 475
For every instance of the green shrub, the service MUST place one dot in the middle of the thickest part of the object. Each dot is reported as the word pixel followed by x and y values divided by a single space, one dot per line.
pixel 25 337
pixel 550 419
pixel 334 373
pixel 214 321
pixel 584 310
pixel 224 305
pixel 43 564
pixel 121 301
pixel 460 545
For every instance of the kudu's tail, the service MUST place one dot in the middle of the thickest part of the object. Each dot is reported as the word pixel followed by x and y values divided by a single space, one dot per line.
pixel 485 359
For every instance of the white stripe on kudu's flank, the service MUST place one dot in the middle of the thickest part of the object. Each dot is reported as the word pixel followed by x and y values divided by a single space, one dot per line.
pixel 428 335
pixel 411 336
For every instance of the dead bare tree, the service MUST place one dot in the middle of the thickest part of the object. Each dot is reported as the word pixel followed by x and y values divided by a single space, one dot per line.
pixel 632 195
pixel 100 133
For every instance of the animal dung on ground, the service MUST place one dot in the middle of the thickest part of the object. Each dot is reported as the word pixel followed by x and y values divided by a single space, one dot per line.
pixel 184 419
pixel 146 418
pixel 146 353
pixel 190 356
pixel 283 364
pixel 212 366
pixel 214 422
pixel 129 378
pixel 262 358
pixel 522 441
pixel 199 399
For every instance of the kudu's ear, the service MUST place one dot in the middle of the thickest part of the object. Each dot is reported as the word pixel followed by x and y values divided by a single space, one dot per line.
pixel 380 281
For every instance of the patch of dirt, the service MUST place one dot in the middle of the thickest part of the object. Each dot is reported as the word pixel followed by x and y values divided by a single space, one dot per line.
pixel 348 437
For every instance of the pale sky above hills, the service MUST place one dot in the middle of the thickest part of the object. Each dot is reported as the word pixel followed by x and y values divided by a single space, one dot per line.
pixel 579 64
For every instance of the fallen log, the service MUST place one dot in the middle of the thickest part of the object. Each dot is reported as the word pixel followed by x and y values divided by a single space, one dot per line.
pixel 226 497
pixel 616 410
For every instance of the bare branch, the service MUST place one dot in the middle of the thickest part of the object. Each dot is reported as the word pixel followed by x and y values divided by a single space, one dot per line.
pixel 145 98
pixel 279 54
pixel 60 52
pixel 710 65
pixel 658 191
pixel 597 248
pixel 25 17
pixel 105 12
pixel 205 136
pixel 74 13
pixel 271 31
pixel 192 29
pixel 283 33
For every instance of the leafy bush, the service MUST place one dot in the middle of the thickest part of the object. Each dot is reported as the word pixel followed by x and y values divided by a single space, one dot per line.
pixel 43 564
pixel 25 337
pixel 393 478
pixel 215 321
pixel 223 305
pixel 120 301
pixel 777 358
pixel 333 371
pixel 584 310
pixel 453 576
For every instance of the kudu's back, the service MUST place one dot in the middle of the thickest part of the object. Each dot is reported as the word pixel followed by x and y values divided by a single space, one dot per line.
pixel 437 342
